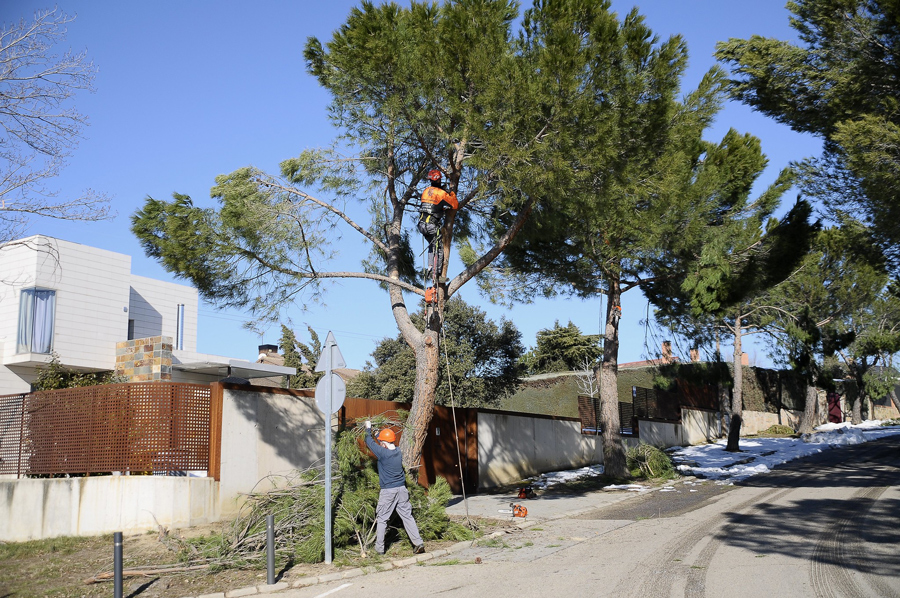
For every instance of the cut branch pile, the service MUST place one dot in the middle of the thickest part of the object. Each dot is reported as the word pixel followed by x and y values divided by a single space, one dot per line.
pixel 298 504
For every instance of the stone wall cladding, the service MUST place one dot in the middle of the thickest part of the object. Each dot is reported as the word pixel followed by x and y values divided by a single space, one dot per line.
pixel 145 359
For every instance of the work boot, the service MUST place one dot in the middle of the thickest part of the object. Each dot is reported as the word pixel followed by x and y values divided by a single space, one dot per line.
pixel 420 549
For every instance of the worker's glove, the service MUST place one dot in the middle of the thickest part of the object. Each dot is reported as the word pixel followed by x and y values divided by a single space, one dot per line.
pixel 368 425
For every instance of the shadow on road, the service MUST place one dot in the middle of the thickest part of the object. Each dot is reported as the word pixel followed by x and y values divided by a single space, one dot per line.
pixel 875 463
pixel 858 531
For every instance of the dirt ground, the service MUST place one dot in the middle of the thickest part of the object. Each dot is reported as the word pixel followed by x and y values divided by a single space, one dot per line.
pixel 58 567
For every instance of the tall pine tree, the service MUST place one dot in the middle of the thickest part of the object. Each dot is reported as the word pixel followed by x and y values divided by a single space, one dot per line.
pixel 448 86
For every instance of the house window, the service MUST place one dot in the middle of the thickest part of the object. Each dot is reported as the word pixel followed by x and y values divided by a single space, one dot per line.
pixel 130 330
pixel 35 330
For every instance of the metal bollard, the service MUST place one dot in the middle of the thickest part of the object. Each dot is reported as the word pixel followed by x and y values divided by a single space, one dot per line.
pixel 117 564
pixel 270 549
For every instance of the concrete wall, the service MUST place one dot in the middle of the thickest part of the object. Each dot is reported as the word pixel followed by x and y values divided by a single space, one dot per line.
pixel 512 447
pixel 661 434
pixel 266 431
pixel 698 426
pixel 757 421
pixel 32 509
pixel 886 412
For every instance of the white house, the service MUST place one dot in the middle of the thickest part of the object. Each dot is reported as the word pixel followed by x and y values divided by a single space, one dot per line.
pixel 85 305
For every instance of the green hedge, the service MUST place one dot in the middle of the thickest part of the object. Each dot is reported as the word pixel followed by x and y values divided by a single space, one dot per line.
pixel 763 389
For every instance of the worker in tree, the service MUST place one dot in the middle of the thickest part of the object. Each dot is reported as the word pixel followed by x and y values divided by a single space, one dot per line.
pixel 394 494
pixel 435 201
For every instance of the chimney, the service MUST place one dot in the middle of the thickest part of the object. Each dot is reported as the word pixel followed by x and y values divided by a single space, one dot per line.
pixel 695 355
pixel 667 351
pixel 268 349
pixel 745 358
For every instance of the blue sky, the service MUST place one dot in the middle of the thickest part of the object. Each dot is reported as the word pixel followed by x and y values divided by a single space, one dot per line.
pixel 190 90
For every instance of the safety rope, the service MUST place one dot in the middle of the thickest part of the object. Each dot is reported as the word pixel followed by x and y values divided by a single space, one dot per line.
pixel 462 483
pixel 434 274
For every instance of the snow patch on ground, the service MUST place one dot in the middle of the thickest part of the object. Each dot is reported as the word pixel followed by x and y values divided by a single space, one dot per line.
pixel 627 487
pixel 545 480
pixel 760 455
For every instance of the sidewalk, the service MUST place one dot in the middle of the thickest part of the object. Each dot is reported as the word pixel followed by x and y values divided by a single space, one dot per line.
pixel 549 507
pixel 544 508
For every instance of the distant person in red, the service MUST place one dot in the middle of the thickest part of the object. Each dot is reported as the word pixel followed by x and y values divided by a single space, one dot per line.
pixel 394 494
pixel 435 201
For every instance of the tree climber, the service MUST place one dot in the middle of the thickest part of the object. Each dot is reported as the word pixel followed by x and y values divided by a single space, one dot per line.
pixel 435 201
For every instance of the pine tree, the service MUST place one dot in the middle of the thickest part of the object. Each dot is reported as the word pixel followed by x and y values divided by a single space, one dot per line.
pixel 727 288
pixel 646 187
pixel 301 356
pixel 412 89
pixel 841 84
pixel 562 349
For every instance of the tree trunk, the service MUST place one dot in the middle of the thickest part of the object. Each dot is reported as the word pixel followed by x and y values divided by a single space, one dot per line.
pixel 856 409
pixel 808 423
pixel 725 408
pixel 737 393
pixel 894 400
pixel 614 463
pixel 426 346
pixel 858 369
pixel 428 362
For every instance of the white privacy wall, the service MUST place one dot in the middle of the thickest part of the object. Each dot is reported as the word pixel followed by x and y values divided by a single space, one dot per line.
pixel 153 305
pixel 512 447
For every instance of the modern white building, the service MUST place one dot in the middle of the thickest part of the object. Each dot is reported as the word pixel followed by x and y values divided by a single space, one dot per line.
pixel 85 305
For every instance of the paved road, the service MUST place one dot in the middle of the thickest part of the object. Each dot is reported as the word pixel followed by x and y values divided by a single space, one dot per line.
pixel 822 526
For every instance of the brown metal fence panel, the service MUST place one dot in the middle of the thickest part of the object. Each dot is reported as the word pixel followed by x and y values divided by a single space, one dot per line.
pixel 155 427
pixel 12 415
pixel 652 403
pixel 589 414
pixel 699 397
pixel 627 420
pixel 443 449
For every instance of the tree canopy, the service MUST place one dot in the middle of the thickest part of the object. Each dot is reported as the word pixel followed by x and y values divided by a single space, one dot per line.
pixel 823 306
pixel 447 86
pixel 483 357
pixel 646 187
pixel 562 349
pixel 841 83
pixel 302 356
pixel 728 288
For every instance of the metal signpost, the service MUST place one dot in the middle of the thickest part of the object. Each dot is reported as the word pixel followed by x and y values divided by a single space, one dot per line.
pixel 330 394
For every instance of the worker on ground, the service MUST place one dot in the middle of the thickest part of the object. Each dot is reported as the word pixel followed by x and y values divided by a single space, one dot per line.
pixel 394 494
pixel 435 201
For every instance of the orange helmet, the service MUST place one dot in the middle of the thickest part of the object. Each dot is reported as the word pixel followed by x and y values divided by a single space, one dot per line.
pixel 387 435
pixel 434 175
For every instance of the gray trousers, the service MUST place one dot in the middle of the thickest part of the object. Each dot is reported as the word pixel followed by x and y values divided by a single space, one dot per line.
pixel 388 500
